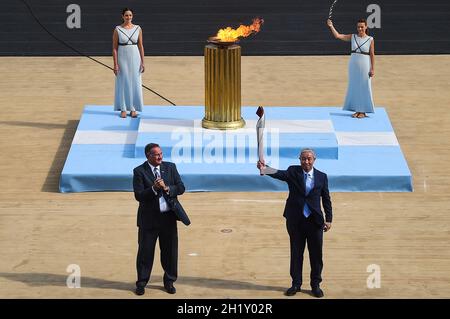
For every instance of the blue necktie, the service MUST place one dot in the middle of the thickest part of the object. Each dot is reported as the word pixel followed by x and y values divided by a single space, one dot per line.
pixel 308 187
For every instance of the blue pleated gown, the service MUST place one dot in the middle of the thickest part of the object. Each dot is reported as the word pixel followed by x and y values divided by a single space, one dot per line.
pixel 359 92
pixel 128 91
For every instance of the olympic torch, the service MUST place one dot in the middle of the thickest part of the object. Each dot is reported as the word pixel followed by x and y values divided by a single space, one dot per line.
pixel 260 135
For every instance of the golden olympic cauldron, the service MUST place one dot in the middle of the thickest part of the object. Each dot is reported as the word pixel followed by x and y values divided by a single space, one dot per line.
pixel 222 85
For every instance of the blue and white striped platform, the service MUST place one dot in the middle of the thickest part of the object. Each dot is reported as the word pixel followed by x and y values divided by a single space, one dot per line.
pixel 360 155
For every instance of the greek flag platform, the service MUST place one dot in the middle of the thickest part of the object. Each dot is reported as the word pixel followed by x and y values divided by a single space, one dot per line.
pixel 359 155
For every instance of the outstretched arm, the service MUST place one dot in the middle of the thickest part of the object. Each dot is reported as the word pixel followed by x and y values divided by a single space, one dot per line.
pixel 337 35
pixel 272 172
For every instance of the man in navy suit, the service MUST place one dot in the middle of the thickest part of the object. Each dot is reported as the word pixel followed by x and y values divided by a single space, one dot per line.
pixel 156 185
pixel 304 218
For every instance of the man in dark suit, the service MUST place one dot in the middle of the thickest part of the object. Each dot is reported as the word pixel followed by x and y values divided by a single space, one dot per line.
pixel 304 218
pixel 156 185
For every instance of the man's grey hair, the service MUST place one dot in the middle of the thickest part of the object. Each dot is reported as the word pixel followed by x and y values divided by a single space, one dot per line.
pixel 307 150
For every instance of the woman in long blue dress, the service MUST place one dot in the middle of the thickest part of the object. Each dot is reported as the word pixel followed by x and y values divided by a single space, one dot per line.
pixel 128 55
pixel 360 69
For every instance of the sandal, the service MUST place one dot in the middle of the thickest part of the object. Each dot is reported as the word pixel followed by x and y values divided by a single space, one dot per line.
pixel 361 115
pixel 123 114
pixel 133 114
pixel 355 114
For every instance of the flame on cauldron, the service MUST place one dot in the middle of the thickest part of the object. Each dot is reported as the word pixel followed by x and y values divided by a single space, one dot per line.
pixel 232 35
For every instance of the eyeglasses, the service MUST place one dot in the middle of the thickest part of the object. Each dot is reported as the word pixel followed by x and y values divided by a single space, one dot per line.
pixel 157 154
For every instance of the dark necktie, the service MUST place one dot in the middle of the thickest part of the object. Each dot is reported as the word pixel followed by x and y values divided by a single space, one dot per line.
pixel 157 175
pixel 156 172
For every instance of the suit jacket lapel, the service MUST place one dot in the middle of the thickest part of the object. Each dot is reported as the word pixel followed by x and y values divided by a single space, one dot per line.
pixel 299 180
pixel 316 180
pixel 164 173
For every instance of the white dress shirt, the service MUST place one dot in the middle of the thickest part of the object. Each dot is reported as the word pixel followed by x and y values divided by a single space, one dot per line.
pixel 163 206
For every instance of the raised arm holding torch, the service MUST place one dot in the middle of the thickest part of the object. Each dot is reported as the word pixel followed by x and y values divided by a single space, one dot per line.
pixel 263 169
pixel 260 136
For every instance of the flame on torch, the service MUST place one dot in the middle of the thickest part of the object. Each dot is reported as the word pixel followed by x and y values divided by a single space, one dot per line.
pixel 231 35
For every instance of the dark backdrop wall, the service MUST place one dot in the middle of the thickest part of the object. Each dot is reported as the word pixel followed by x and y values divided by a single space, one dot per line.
pixel 181 27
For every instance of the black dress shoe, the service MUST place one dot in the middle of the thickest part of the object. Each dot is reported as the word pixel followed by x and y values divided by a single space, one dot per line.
pixel 293 290
pixel 317 292
pixel 170 288
pixel 140 291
